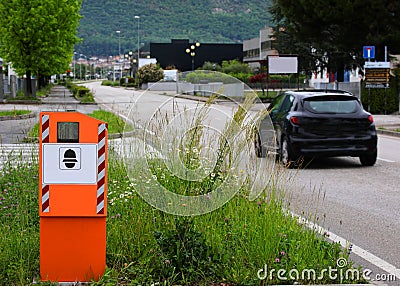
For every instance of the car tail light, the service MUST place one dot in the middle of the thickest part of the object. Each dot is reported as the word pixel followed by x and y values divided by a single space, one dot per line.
pixel 294 120
pixel 371 119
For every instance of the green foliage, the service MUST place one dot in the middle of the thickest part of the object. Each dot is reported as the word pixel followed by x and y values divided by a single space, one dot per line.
pixel 235 67
pixel 116 125
pixel 150 73
pixel 131 81
pixel 38 36
pixel 146 246
pixel 185 253
pixel 44 90
pixel 19 224
pixel 211 67
pixel 226 22
pixel 14 112
pixel 331 33
pixel 109 83
pixel 81 93
pixel 197 77
pixel 382 101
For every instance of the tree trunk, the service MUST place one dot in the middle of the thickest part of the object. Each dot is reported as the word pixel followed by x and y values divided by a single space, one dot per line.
pixel 42 81
pixel 28 79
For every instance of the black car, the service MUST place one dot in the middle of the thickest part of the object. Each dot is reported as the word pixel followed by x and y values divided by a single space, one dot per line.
pixel 318 123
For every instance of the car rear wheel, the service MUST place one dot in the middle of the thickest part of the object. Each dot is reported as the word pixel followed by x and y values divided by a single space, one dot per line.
pixel 287 156
pixel 368 159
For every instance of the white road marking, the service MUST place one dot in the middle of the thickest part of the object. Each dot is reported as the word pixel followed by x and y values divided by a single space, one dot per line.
pixel 386 160
pixel 373 259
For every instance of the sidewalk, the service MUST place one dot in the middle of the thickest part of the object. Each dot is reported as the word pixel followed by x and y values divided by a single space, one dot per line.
pixel 59 94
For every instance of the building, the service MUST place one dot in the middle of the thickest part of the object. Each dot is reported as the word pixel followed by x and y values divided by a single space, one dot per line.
pixel 175 55
pixel 257 50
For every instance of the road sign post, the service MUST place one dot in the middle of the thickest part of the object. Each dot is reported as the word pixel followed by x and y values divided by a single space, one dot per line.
pixel 72 197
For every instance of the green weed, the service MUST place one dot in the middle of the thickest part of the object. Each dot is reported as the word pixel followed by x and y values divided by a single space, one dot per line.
pixel 14 112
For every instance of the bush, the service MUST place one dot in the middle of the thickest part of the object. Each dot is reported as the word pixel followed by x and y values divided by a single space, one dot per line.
pixel 211 66
pixel 235 67
pixel 81 93
pixel 150 73
pixel 131 81
pixel 107 83
pixel 208 76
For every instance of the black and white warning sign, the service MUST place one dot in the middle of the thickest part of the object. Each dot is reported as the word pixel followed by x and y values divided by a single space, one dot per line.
pixel 70 158
pixel 69 163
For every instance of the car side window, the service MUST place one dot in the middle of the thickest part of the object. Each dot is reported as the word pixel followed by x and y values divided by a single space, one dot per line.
pixel 276 103
pixel 287 104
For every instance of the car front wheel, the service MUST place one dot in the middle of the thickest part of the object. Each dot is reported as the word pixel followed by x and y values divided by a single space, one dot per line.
pixel 368 159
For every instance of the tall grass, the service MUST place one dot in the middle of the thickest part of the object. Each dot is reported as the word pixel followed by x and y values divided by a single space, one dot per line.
pixel 19 227
pixel 146 245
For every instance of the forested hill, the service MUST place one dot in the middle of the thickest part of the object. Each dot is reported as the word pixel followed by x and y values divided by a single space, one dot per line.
pixel 211 21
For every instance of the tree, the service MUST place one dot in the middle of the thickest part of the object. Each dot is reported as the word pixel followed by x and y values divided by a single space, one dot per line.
pixel 150 73
pixel 38 36
pixel 331 33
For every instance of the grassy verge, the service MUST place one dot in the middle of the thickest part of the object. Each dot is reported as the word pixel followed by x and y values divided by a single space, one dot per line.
pixel 81 93
pixel 19 225
pixel 264 95
pixel 116 125
pixel 145 245
pixel 110 83
pixel 14 112
pixel 43 92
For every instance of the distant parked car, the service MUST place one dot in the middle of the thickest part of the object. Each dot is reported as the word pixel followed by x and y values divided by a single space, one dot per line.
pixel 319 123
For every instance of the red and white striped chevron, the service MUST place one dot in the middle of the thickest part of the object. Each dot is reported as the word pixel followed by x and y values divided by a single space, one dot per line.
pixel 45 128
pixel 101 167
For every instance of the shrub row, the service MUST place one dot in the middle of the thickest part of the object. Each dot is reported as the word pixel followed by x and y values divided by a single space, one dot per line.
pixel 81 93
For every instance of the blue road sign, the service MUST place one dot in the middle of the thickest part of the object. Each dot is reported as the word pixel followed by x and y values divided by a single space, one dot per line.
pixel 369 52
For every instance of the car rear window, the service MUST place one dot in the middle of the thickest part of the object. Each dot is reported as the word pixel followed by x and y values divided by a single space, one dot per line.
pixel 331 104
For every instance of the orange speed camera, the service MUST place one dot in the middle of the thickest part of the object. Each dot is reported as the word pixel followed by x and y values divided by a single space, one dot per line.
pixel 72 196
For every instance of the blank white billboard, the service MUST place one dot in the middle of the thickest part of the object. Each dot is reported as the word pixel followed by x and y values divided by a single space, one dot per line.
pixel 282 65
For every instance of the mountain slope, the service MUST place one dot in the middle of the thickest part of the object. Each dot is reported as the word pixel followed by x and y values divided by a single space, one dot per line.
pixel 211 21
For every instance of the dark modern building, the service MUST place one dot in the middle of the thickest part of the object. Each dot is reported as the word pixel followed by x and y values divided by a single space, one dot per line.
pixel 185 56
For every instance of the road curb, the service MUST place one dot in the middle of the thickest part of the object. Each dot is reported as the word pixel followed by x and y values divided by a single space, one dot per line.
pixel 388 132
pixel 18 117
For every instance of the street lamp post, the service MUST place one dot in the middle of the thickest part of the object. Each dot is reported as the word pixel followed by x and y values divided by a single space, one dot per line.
pixel 119 42
pixel 191 52
pixel 129 56
pixel 74 60
pixel 138 45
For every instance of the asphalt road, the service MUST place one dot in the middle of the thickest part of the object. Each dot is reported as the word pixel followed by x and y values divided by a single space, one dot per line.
pixel 360 204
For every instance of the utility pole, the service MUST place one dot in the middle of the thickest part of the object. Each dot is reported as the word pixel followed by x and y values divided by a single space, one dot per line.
pixel 1 80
